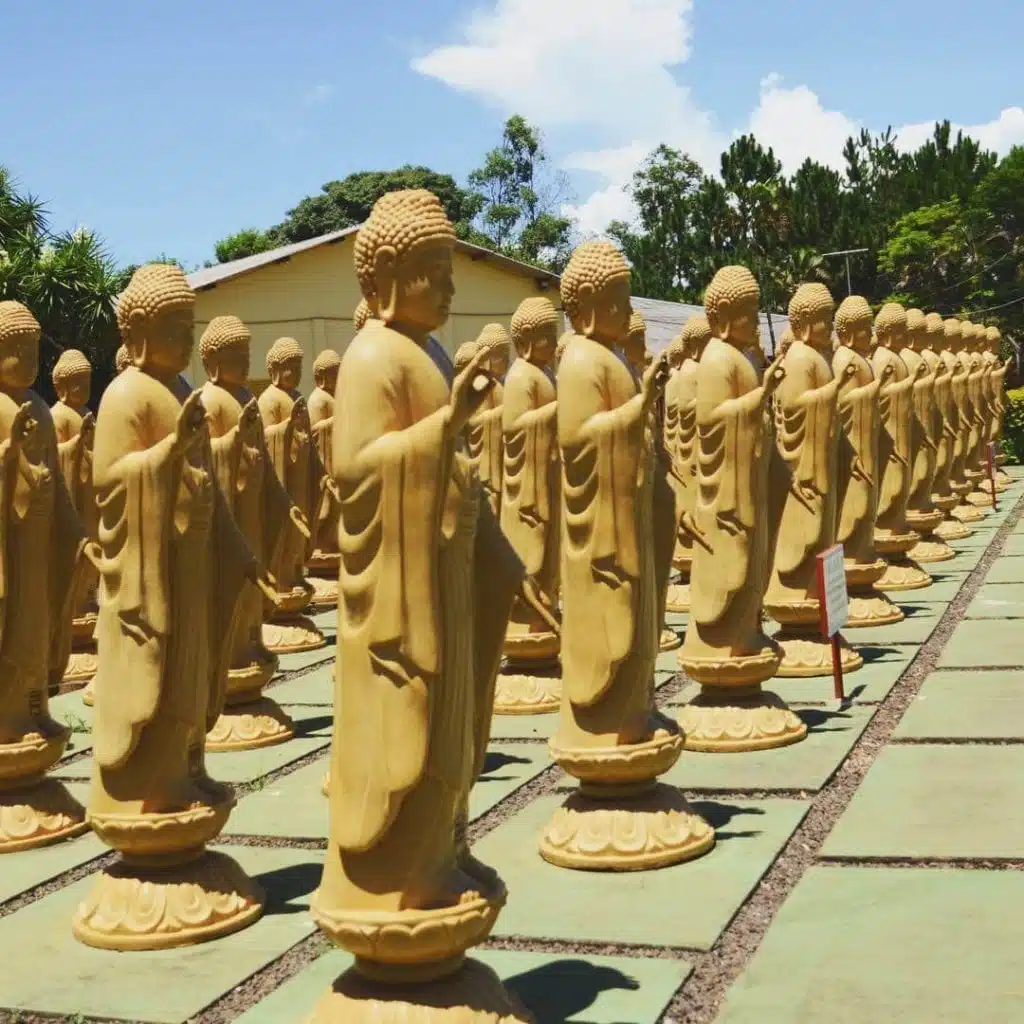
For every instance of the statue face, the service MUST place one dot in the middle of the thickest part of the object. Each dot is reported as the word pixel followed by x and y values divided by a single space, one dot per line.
pixel 77 390
pixel 605 314
pixel 167 338
pixel 289 373
pixel 19 361
pixel 860 336
pixel 423 287
pixel 328 379
pixel 541 344
pixel 743 325
pixel 232 365
pixel 498 361
pixel 820 331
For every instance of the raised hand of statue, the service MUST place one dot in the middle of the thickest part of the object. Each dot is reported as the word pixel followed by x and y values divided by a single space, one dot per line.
pixel 191 426
pixel 301 522
pixel 655 378
pixel 23 426
pixel 250 423
pixel 850 370
pixel 535 599
pixel 921 370
pixel 298 429
pixel 469 389
pixel 774 376
pixel 87 431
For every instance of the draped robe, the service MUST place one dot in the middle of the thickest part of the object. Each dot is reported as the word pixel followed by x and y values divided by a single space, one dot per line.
pixel 483 442
pixel 324 522
pixel 894 449
pixel 960 408
pixel 974 459
pixel 681 394
pixel 944 420
pixel 923 434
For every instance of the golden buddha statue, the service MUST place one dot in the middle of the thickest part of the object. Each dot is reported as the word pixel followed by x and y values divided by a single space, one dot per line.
pixel 954 355
pixel 173 567
pixel 74 425
pixel 997 397
pixel 678 595
pixel 360 315
pixel 122 360
pixel 41 541
pixel 610 735
pixel 287 430
pixel 858 467
pixel 563 340
pixel 973 342
pixel 725 649
pixel 261 510
pixel 324 556
pixel 925 431
pixel 893 535
pixel 427 584
pixel 784 342
pixel 483 434
pixel 805 480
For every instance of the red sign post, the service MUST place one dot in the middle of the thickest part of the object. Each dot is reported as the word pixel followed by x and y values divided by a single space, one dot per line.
pixel 990 459
pixel 835 607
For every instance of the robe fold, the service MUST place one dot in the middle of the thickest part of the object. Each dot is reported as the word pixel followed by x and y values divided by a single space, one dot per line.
pixel 894 449
pixel 483 443
pixel 942 403
pixel 923 434
pixel 324 519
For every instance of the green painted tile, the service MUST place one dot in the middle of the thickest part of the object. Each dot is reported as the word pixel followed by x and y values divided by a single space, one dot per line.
pixel 558 989
pixel 852 945
pixel 524 727
pixel 68 709
pixel 965 561
pixel 806 765
pixel 981 538
pixel 632 907
pixel 870 683
pixel 936 801
pixel 944 588
pixel 166 986
pixel 1007 569
pixel 991 642
pixel 313 687
pixel 668 661
pixel 1014 546
pixel 506 768
pixel 918 624
pixel 303 659
pixel 292 806
pixel 966 705
pixel 998 601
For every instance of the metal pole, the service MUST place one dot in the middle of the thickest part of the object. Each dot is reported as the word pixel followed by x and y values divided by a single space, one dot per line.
pixel 849 286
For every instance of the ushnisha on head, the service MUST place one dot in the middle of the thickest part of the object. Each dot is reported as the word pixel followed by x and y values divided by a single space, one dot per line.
pixel 19 346
pixel 155 315
pixel 595 292
pixel 951 332
pixel 224 350
pixel 403 259
pixel 464 354
pixel 122 359
pixel 495 339
pixel 810 314
pixel 695 336
pixel 72 378
pixel 731 303
pixel 284 363
pixel 933 332
pixel 361 314
pixel 534 330
pixel 993 337
pixel 891 325
pixel 325 369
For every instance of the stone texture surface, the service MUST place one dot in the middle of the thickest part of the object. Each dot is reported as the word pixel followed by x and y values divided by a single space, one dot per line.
pixel 994 642
pixel 1007 570
pixel 966 705
pixel 998 601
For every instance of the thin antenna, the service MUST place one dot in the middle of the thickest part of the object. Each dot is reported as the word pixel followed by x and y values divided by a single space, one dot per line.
pixel 847 253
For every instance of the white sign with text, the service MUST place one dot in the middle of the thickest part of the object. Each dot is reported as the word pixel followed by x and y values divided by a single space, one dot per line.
pixel 835 608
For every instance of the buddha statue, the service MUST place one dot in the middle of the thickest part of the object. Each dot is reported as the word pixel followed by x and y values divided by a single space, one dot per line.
pixel 725 649
pixel 41 539
pixel 943 497
pixel 893 535
pixel 322 562
pixel 610 735
pixel 979 391
pixel 74 424
pixel 173 567
pixel 957 361
pixel 427 583
pixel 529 509
pixel 563 340
pixel 262 512
pixel 678 596
pixel 287 430
pixel 360 315
pixel 925 432
pixel 805 482
pixel 997 395
pixel 857 471
pixel 122 360
pixel 483 434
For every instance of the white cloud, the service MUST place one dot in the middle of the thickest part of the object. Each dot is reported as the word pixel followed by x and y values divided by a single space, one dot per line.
pixel 1000 134
pixel 318 94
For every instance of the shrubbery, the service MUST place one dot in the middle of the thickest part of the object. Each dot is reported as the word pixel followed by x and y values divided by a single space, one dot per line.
pixel 1013 426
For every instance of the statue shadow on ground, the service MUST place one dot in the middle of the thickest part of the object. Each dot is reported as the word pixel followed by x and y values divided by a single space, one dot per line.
pixel 284 886
pixel 495 761
pixel 311 726
pixel 873 652
pixel 916 611
pixel 818 719
pixel 558 991
pixel 720 815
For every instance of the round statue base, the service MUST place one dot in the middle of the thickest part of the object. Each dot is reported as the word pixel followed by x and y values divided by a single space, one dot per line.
pixel 81 666
pixel 924 522
pixel 325 592
pixel 669 640
pixel 945 502
pixel 979 499
pixel 631 827
pixel 726 670
pixel 524 694
pixel 931 548
pixel 806 654
pixel 678 601
pixel 83 628
pixel 141 903
pixel 891 542
pixel 870 607
pixel 250 725
pixel 36 813
pixel 525 649
pixel 722 722
pixel 952 529
pixel 470 994
pixel 287 636
pixel 968 513
pixel 324 563
pixel 903 574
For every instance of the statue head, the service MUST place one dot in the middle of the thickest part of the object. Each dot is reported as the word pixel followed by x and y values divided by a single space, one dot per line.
pixel 933 332
pixel 696 335
pixel 464 354
pixel 19 346
pixel 634 342
pixel 731 303
pixel 676 352
pixel 891 326
pixel 361 314
pixel 494 338
pixel 595 292
pixel 535 330
pixel 284 363
pixel 325 370
pixel 853 323
pixel 917 330
pixel 953 341
pixel 785 341
pixel 966 336
pixel 224 350
pixel 976 342
pixel 156 315
pixel 122 360
pixel 993 339
pixel 72 378
pixel 810 315
pixel 403 259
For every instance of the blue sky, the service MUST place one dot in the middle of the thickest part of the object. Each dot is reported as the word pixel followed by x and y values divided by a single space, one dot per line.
pixel 165 128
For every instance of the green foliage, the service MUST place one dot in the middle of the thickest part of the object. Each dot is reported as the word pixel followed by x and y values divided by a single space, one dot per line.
pixel 246 242
pixel 1013 426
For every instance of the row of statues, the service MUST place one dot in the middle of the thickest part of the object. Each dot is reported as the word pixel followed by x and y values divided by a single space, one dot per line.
pixel 483 524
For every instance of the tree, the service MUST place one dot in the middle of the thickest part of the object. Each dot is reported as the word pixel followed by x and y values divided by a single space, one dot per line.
pixel 246 242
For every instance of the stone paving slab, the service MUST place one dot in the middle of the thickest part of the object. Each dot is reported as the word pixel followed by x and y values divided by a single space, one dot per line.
pixel 164 986
pixel 303 659
pixel 853 945
pixel 944 588
pixel 313 732
pixel 314 687
pixel 998 601
pixel 993 642
pixel 807 765
pixel 1014 545
pixel 965 561
pixel 943 801
pixel 687 905
pixel 524 727
pixel 506 768
pixel 918 624
pixel 558 989
pixel 68 709
pixel 966 705
pixel 882 668
pixel 1007 569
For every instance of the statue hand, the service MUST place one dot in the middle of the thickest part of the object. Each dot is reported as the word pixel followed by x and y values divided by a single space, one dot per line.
pixel 655 378
pixel 536 600
pixel 249 421
pixel 301 522
pixel 849 371
pixel 774 376
pixel 23 426
pixel 88 429
pixel 469 389
pixel 191 423
pixel 267 586
pixel 921 371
